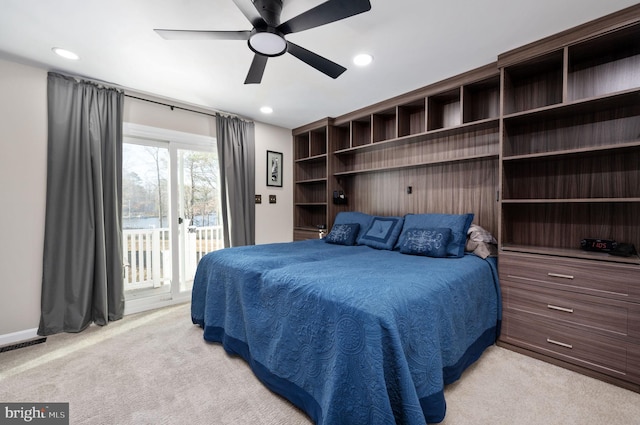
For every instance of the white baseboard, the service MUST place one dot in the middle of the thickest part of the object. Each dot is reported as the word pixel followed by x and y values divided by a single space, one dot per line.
pixel 20 336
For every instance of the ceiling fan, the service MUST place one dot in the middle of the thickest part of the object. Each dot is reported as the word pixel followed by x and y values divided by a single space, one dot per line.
pixel 266 39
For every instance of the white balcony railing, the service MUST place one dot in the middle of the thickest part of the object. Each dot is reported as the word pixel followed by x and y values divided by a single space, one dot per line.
pixel 147 254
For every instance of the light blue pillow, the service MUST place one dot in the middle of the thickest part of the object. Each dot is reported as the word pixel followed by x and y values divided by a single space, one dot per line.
pixel 349 217
pixel 343 234
pixel 458 223
pixel 382 233
pixel 427 242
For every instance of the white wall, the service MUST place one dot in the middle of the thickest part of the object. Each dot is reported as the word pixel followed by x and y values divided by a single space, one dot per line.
pixel 23 143
pixel 23 181
pixel 274 222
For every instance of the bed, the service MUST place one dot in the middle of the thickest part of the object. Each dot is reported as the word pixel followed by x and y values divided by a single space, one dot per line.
pixel 353 333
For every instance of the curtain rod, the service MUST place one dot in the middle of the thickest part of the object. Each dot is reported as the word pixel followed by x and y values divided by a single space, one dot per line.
pixel 124 90
pixel 185 109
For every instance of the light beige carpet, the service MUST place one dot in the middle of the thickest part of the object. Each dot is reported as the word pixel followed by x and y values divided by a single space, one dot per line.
pixel 155 368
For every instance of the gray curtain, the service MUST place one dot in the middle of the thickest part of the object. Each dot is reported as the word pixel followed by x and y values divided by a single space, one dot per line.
pixel 82 279
pixel 236 155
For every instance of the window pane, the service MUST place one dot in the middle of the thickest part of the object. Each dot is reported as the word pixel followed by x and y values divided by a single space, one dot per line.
pixel 145 219
pixel 201 231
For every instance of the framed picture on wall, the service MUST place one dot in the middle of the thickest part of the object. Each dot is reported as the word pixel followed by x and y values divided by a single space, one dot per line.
pixel 274 168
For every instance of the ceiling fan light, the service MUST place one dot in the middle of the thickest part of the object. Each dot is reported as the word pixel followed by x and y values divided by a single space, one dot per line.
pixel 267 43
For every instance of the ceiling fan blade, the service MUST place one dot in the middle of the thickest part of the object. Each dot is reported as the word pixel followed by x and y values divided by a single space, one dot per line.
pixel 249 11
pixel 256 70
pixel 323 65
pixel 327 12
pixel 202 35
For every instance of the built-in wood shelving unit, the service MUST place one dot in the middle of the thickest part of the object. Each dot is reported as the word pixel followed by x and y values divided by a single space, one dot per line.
pixel 570 170
pixel 414 137
pixel 567 140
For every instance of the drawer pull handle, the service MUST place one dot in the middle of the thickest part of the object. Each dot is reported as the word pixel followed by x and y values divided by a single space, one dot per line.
pixel 563 276
pixel 561 344
pixel 555 307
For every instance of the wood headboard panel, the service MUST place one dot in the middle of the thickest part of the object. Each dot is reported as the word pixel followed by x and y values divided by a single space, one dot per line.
pixel 452 188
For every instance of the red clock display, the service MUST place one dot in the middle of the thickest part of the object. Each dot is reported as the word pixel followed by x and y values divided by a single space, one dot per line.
pixel 603 245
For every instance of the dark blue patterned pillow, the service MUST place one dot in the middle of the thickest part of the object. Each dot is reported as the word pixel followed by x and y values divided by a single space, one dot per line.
pixel 382 233
pixel 347 217
pixel 427 242
pixel 458 223
pixel 343 234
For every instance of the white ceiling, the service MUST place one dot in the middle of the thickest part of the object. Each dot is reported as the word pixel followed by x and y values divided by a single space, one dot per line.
pixel 414 43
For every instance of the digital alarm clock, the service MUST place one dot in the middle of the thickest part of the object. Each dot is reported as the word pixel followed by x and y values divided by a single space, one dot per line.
pixel 601 245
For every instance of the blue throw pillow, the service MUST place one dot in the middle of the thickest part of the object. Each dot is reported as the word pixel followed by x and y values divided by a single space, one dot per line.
pixel 458 223
pixel 382 233
pixel 343 234
pixel 347 217
pixel 427 242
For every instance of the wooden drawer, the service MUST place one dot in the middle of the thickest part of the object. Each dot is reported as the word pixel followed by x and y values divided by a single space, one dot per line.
pixel 605 316
pixel 597 352
pixel 599 278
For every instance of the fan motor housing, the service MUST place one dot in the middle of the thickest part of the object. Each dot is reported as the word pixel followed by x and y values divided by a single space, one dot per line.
pixel 269 10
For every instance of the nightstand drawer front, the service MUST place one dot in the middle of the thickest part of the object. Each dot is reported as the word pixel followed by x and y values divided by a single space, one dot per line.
pixel 583 348
pixel 584 311
pixel 599 278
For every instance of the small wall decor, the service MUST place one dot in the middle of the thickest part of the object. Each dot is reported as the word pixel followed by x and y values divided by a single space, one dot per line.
pixel 274 168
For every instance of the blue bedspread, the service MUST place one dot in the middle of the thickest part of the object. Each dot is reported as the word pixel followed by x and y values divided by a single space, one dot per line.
pixel 352 335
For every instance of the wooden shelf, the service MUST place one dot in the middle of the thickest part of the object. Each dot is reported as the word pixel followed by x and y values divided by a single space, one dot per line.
pixel 481 100
pixel 534 84
pixel 312 158
pixel 313 229
pixel 417 165
pixel 605 64
pixel 412 118
pixel 311 204
pixel 385 125
pixel 310 170
pixel 445 110
pixel 571 253
pixel 581 125
pixel 579 151
pixel 571 201
pixel 596 103
pixel 424 137
pixel 311 181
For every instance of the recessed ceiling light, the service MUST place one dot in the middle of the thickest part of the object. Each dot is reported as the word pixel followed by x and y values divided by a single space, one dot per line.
pixel 363 59
pixel 65 53
pixel 266 109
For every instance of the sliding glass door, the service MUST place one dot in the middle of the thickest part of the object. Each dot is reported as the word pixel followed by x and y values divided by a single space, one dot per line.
pixel 171 214
pixel 145 219
pixel 199 222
